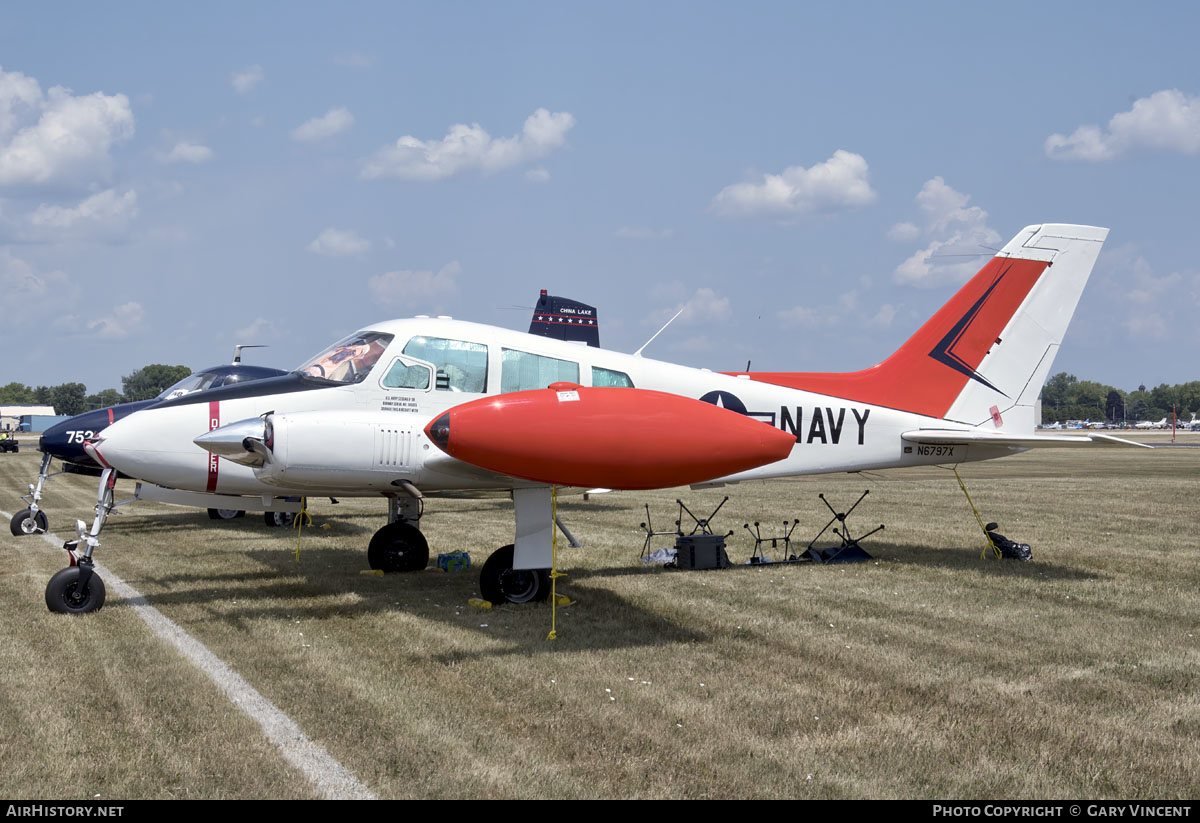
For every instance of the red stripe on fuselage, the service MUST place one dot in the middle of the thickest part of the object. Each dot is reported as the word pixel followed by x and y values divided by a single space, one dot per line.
pixel 110 417
pixel 915 380
pixel 214 422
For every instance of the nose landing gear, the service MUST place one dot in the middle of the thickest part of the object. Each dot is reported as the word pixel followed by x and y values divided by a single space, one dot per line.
pixel 33 520
pixel 78 589
pixel 75 590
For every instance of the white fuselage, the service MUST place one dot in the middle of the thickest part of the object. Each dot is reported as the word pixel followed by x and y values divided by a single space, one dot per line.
pixel 363 438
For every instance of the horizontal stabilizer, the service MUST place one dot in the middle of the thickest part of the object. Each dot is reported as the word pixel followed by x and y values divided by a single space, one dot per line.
pixel 1028 441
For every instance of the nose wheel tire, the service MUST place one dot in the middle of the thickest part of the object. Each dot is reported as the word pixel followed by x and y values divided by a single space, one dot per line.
pixel 64 594
pixel 499 582
pixel 224 514
pixel 23 522
pixel 398 547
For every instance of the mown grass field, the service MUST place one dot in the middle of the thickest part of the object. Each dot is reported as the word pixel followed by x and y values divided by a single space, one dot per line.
pixel 928 672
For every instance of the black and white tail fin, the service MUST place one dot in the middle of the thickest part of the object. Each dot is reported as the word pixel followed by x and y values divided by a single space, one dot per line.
pixel 565 319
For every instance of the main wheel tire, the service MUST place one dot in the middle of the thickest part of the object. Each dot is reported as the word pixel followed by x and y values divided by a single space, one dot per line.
pixel 279 518
pixel 499 582
pixel 224 514
pixel 64 596
pixel 398 547
pixel 24 523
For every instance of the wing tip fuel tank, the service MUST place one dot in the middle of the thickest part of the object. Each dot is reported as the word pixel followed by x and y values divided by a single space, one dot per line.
pixel 617 438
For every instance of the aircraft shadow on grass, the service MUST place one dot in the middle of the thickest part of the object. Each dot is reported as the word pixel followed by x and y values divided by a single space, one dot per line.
pixel 286 589
pixel 249 526
pixel 967 559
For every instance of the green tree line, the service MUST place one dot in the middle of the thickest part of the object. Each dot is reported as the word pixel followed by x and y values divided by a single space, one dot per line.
pixel 1065 397
pixel 73 398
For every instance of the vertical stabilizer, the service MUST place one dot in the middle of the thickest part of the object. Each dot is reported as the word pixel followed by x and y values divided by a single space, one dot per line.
pixel 983 357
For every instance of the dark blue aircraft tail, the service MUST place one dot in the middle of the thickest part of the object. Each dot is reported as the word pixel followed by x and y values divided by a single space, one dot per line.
pixel 565 319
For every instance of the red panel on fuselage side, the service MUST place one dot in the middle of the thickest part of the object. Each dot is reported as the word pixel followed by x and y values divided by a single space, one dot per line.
pixel 616 438
pixel 928 372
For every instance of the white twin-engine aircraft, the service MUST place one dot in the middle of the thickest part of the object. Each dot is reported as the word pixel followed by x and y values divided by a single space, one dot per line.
pixel 412 408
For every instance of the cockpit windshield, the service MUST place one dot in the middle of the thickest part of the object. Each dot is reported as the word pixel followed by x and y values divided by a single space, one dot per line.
pixel 193 382
pixel 348 360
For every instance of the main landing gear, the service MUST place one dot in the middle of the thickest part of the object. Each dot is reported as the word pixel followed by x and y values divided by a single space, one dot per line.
pixel 78 589
pixel 499 582
pixel 401 547
pixel 225 514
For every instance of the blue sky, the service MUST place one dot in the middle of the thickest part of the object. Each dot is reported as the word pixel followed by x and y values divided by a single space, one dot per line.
pixel 806 179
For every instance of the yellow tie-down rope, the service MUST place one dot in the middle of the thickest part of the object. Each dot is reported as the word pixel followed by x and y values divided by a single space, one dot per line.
pixel 978 519
pixel 301 520
pixel 554 572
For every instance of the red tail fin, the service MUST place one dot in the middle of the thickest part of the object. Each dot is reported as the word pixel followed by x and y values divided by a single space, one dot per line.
pixel 943 359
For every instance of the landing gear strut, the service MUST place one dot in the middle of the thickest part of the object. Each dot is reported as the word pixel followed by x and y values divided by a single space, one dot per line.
pixel 33 520
pixel 499 580
pixel 77 589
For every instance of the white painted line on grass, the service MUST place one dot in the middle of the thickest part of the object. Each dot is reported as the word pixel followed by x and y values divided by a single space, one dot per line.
pixel 333 780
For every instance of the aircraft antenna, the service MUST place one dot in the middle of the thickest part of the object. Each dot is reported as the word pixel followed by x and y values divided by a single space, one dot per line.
pixel 237 350
pixel 638 353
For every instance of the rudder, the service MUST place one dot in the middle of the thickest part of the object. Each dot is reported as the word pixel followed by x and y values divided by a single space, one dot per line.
pixel 983 357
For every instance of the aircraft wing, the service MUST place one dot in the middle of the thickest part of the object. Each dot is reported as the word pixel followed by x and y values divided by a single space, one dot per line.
pixel 1024 441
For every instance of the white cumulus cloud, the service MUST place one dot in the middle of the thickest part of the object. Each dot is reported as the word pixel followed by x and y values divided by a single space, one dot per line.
pixel 245 80
pixel 403 289
pixel 702 305
pixel 123 321
pixel 339 243
pixel 19 281
pixel 57 137
pixel 847 309
pixel 904 232
pixel 1166 121
pixel 957 235
pixel 470 148
pixel 186 152
pixel 106 209
pixel 837 184
pixel 260 329
pixel 333 122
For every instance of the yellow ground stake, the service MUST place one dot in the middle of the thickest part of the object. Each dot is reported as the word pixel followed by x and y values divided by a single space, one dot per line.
pixel 978 518
pixel 302 519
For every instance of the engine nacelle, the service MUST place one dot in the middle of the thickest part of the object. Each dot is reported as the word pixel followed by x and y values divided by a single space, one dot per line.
pixel 349 450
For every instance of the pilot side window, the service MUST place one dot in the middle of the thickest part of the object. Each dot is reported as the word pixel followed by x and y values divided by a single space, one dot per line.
pixel 460 366
pixel 521 371
pixel 404 376
pixel 609 378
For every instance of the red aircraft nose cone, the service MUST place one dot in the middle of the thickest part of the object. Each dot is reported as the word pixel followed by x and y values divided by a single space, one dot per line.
pixel 616 438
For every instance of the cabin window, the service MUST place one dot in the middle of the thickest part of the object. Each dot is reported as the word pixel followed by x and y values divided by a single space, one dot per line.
pixel 521 371
pixel 610 379
pixel 406 376
pixel 459 366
